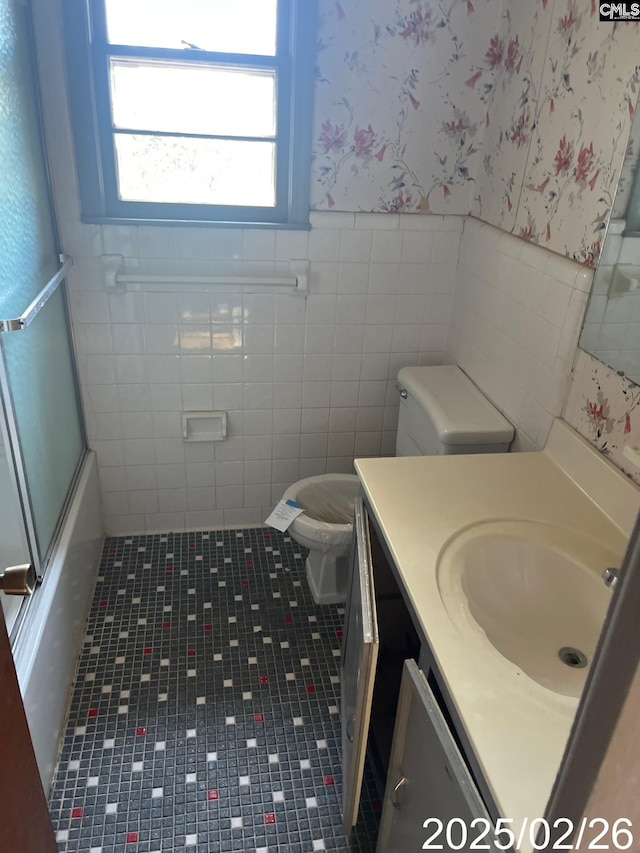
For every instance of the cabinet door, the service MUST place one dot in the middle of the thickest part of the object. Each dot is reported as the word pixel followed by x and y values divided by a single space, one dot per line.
pixel 358 668
pixel 428 779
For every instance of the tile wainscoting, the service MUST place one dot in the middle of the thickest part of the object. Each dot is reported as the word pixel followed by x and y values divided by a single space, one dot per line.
pixel 515 326
pixel 307 383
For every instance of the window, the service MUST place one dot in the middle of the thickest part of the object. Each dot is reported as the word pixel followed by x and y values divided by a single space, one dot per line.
pixel 187 110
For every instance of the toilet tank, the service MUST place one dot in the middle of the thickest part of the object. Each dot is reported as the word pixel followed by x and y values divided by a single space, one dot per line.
pixel 443 412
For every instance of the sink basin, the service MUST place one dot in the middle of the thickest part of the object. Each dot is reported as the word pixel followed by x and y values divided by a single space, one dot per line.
pixel 534 591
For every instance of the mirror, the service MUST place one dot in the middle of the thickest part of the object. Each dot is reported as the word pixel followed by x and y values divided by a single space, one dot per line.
pixel 611 331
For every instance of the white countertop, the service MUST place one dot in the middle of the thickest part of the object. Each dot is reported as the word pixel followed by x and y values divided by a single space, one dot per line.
pixel 517 728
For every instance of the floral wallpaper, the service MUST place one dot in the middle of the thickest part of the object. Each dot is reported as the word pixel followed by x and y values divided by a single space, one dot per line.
pixel 583 117
pixel 519 51
pixel 518 112
pixel 604 407
pixel 402 91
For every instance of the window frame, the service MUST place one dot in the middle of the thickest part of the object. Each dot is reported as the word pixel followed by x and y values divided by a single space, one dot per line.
pixel 87 55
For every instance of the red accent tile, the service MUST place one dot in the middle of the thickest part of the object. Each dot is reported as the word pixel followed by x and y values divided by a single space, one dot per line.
pixel 208 627
pixel 212 795
pixel 93 712
pixel 192 547
pixel 259 718
pixel 112 551
pixel 311 688
pixel 191 653
pixel 329 780
pixel 264 679
pixel 148 650
pixel 166 624
pixel 339 634
pixel 141 731
pixel 245 582
pixel 132 837
pixel 104 604
pixel 77 812
pixel 249 563
pixel 269 818
pixel 289 620
pixel 169 569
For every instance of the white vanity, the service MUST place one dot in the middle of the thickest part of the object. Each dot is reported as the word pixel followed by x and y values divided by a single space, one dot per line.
pixel 486 702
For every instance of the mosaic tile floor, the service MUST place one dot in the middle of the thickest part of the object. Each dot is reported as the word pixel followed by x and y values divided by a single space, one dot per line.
pixel 205 712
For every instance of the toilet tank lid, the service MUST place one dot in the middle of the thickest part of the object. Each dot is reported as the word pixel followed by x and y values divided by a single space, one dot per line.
pixel 460 413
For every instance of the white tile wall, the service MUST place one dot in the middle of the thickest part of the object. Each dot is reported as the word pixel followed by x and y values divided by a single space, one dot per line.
pixel 307 383
pixel 515 325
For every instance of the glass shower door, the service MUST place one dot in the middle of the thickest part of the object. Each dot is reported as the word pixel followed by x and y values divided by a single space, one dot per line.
pixel 39 398
pixel 40 384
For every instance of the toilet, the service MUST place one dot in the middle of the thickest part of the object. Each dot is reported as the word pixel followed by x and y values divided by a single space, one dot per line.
pixel 441 413
pixel 325 529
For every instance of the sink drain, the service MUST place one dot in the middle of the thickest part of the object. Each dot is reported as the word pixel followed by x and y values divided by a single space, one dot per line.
pixel 572 657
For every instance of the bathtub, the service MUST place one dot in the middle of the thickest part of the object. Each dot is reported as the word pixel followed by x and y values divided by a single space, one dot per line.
pixel 49 639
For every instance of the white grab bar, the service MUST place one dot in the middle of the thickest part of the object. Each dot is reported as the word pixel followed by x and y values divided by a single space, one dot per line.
pixel 114 278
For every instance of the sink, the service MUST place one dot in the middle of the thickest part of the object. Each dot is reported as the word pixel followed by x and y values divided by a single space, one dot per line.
pixel 534 590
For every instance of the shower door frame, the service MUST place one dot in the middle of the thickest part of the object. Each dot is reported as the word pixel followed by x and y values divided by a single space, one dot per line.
pixel 13 444
pixel 9 423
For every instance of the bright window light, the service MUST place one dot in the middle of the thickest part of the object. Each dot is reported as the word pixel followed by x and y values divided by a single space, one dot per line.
pixel 192 98
pixel 225 26
pixel 184 170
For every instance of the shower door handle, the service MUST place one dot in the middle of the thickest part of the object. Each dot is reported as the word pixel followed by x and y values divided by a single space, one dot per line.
pixel 17 324
pixel 18 580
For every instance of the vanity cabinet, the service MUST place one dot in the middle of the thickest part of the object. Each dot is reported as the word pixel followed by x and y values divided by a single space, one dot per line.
pixel 396 707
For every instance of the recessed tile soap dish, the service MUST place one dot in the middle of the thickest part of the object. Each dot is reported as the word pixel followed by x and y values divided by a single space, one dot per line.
pixel 204 426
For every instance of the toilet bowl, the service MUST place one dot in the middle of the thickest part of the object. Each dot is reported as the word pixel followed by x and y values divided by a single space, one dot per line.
pixel 325 529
